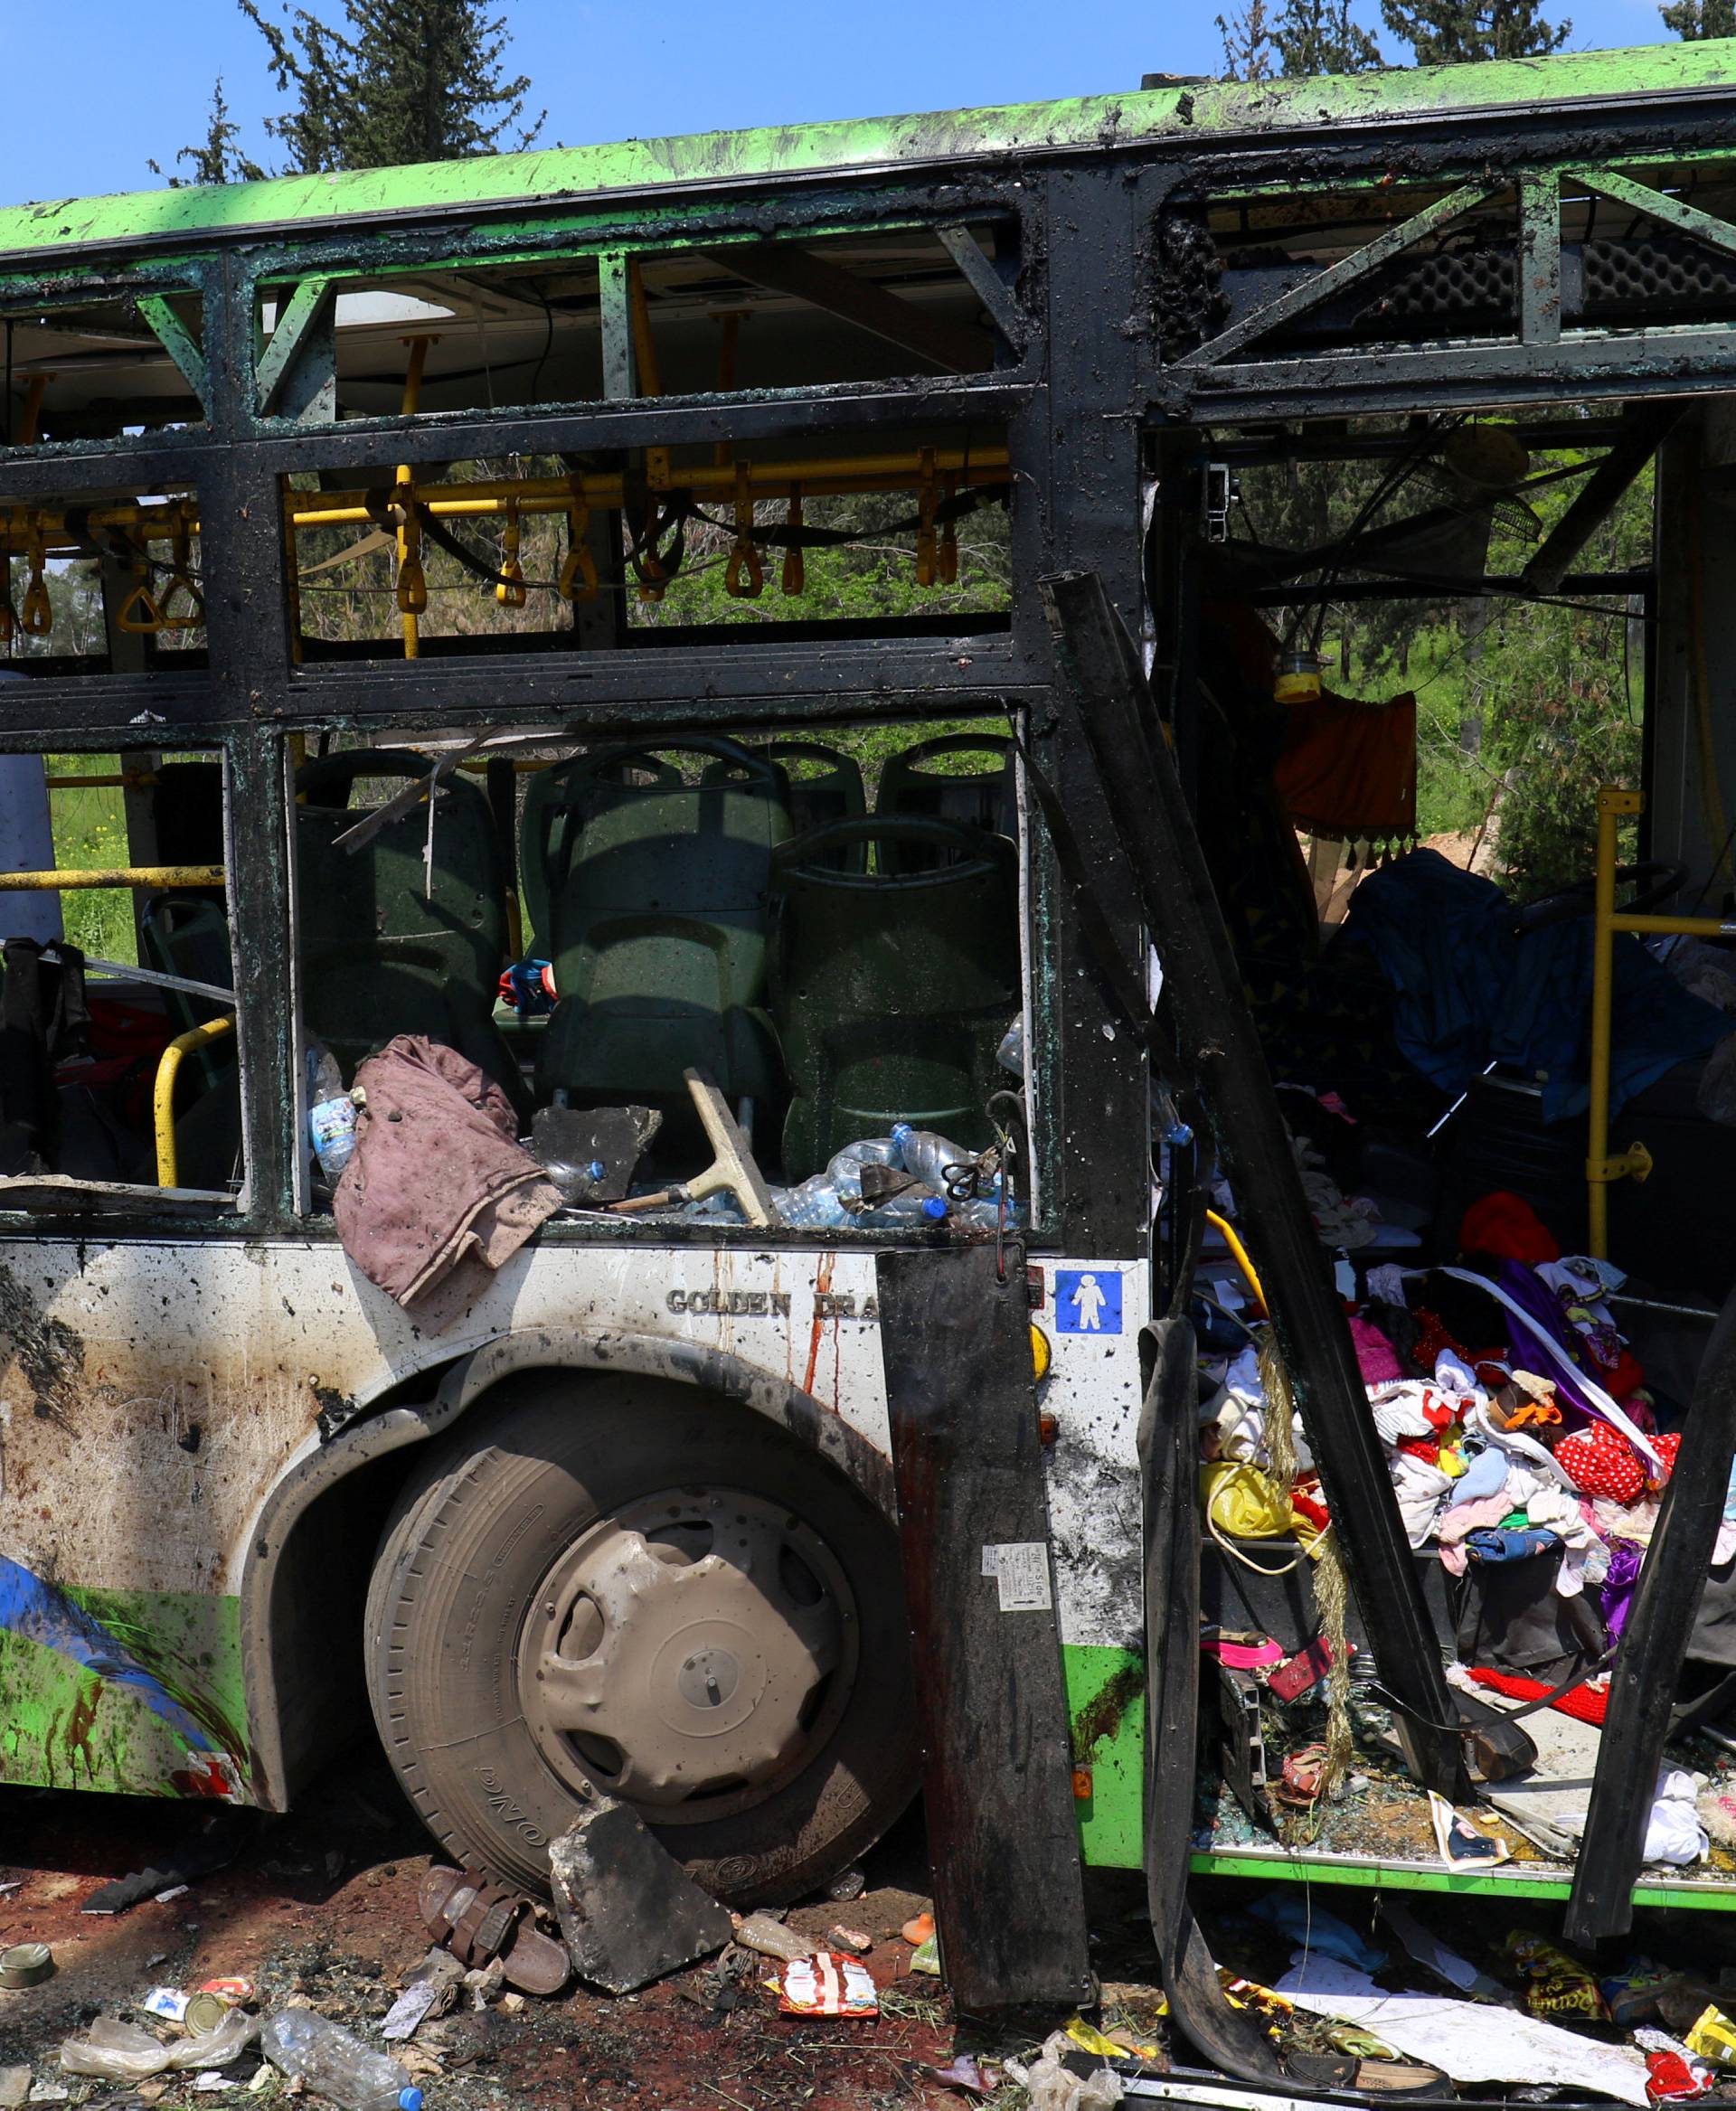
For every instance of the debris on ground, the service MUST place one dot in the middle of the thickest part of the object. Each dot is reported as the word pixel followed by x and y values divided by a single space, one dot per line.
pixel 771 1938
pixel 827 1984
pixel 628 1910
pixel 484 1925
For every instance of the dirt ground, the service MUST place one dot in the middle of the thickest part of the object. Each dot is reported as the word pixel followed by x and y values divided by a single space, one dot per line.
pixel 321 1906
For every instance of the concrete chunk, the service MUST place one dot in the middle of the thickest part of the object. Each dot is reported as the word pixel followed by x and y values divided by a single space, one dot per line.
pixel 628 1910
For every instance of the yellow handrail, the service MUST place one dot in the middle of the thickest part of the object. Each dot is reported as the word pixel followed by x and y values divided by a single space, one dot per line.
pixel 166 876
pixel 1238 1254
pixel 168 1068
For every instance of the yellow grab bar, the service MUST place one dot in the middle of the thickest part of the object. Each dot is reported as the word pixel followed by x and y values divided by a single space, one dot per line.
pixel 118 876
pixel 168 1069
pixel 1238 1254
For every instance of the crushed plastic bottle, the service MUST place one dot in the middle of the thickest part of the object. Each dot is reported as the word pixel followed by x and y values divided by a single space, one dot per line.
pixel 331 1113
pixel 925 1156
pixel 335 2064
pixel 771 1938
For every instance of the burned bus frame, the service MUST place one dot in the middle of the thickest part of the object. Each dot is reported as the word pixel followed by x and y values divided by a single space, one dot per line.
pixel 1152 297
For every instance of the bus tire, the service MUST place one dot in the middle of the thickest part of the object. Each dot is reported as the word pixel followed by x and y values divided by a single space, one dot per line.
pixel 620 1580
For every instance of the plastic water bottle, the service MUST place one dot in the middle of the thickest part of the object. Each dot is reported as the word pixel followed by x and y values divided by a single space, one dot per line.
pixel 814 1206
pixel 915 1206
pixel 331 1112
pixel 1010 1055
pixel 335 2063
pixel 925 1156
pixel 844 1171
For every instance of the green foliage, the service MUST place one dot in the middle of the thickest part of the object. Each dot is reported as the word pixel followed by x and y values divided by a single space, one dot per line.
pixel 218 158
pixel 1555 690
pixel 1694 20
pixel 1445 33
pixel 1317 36
pixel 404 80
pixel 90 825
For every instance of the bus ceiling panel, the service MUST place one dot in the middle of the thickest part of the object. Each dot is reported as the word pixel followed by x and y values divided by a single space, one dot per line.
pixel 101 369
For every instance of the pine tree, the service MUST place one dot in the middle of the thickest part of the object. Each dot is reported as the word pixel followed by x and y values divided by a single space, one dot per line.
pixel 1692 20
pixel 1246 43
pixel 1317 36
pixel 401 80
pixel 1444 32
pixel 218 159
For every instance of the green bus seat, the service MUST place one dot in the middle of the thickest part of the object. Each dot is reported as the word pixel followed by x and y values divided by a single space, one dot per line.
pixel 909 784
pixel 661 924
pixel 548 824
pixel 379 957
pixel 891 990
pixel 825 786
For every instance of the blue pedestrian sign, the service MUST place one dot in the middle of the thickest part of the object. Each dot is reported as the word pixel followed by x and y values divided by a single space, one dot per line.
pixel 1088 1301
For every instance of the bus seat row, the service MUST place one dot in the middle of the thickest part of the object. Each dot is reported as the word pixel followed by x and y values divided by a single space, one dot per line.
pixel 727 916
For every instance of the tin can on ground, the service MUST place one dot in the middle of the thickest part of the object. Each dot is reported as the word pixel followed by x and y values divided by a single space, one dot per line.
pixel 25 1964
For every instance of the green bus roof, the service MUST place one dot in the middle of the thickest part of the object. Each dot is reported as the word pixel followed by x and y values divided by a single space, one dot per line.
pixel 168 218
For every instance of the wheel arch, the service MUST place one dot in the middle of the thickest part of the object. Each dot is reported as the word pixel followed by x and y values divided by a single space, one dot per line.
pixel 305 1574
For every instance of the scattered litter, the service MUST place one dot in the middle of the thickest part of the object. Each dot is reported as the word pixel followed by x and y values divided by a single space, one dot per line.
pixel 827 1984
pixel 1471 2042
pixel 428 1989
pixel 1461 1845
pixel 1053 2087
pixel 332 2062
pixel 219 2048
pixel 205 2013
pixel 771 1938
pixel 49 2093
pixel 162 1897
pixel 114 2051
pixel 1713 2036
pixel 926 1958
pixel 965 2072
pixel 167 2001
pixel 1557 1985
pixel 237 1990
pixel 1433 1955
pixel 1317 1929
pixel 1114 2044
pixel 212 2081
pixel 485 1982
pixel 11 1885
pixel 14 2087
pixel 1674 2080
pixel 25 1964
pixel 920 1930
pixel 850 1939
pixel 851 1884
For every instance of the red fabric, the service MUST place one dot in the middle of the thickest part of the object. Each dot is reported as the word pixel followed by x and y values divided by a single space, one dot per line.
pixel 1667 1448
pixel 1623 1377
pixel 1349 769
pixel 1600 1461
pixel 1508 1227
pixel 1581 1704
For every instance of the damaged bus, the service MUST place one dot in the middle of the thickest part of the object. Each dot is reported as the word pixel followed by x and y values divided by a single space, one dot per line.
pixel 724 1076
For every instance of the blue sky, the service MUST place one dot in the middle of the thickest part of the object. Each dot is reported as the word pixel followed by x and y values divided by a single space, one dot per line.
pixel 97 89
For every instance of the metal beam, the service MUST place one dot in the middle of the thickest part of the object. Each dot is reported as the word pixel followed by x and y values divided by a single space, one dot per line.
pixel 1539 258
pixel 1676 212
pixel 172 334
pixel 1345 272
pixel 990 287
pixel 615 295
pixel 296 318
pixel 1647 428
pixel 784 268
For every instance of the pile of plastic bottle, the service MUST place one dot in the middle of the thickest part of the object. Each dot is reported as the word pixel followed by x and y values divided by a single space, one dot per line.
pixel 832 1199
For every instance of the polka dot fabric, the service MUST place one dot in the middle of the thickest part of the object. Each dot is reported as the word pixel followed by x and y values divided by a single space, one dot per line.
pixel 1600 1461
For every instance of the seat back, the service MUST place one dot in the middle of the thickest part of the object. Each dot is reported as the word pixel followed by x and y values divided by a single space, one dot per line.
pixel 660 921
pixel 919 783
pixel 548 821
pixel 825 786
pixel 383 953
pixel 891 990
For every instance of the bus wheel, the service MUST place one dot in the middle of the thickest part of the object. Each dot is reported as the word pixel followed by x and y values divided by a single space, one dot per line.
pixel 623 1582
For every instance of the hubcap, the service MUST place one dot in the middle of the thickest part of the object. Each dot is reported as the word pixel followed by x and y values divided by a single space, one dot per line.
pixel 689 1653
